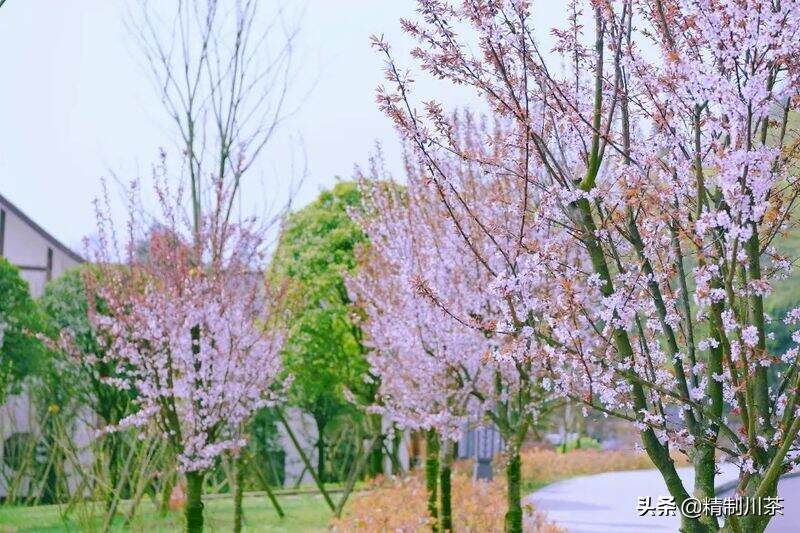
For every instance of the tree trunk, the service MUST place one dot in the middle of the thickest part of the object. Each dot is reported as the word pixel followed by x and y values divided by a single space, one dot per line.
pixel 397 467
pixel 376 455
pixel 514 513
pixel 237 494
pixel 581 427
pixel 446 522
pixel 704 473
pixel 355 472
pixel 321 457
pixel 113 471
pixel 321 421
pixel 265 485
pixel 751 522
pixel 376 461
pixel 432 472
pixel 194 502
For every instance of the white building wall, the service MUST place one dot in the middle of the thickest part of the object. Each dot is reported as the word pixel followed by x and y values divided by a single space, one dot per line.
pixel 28 246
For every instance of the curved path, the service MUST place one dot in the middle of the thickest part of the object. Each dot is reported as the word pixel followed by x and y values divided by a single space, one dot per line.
pixel 606 503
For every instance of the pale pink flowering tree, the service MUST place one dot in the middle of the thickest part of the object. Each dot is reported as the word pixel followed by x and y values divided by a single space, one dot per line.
pixel 188 325
pixel 652 147
pixel 419 357
pixel 443 346
pixel 416 349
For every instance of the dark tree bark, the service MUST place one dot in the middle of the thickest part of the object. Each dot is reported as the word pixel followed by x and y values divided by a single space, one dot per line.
pixel 514 513
pixel 321 459
pixel 194 502
pixel 238 515
pixel 432 472
pixel 446 508
pixel 376 454
pixel 321 421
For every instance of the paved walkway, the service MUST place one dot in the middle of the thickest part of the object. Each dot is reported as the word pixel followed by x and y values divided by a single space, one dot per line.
pixel 606 503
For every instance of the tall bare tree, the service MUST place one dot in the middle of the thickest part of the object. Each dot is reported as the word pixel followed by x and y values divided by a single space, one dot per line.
pixel 223 70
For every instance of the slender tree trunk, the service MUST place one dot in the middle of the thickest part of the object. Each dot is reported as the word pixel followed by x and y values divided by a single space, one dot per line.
pixel 376 461
pixel 376 455
pixel 432 472
pixel 704 472
pixel 397 467
pixel 265 484
pixel 113 472
pixel 751 522
pixel 116 481
pixel 446 522
pixel 321 457
pixel 194 502
pixel 581 427
pixel 355 472
pixel 321 421
pixel 655 450
pixel 514 513
pixel 238 516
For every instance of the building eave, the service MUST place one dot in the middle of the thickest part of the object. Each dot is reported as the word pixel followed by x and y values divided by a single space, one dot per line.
pixel 40 230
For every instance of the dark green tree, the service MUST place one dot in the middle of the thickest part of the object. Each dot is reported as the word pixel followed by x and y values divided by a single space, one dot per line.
pixel 77 375
pixel 324 351
pixel 21 353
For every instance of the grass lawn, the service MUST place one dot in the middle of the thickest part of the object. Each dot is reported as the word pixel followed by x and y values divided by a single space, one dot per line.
pixel 304 512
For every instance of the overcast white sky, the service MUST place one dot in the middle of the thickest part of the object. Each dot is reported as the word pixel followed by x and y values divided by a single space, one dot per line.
pixel 76 105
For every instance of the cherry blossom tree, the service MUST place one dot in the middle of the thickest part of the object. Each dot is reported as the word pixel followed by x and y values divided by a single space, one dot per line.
pixel 442 350
pixel 223 72
pixel 651 147
pixel 187 323
pixel 420 356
